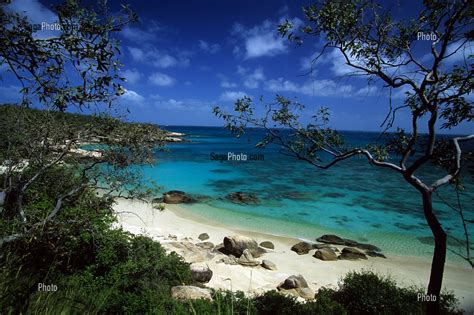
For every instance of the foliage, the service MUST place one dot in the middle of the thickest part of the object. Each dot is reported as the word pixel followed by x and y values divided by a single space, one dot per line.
pixel 367 292
pixel 76 67
pixel 95 267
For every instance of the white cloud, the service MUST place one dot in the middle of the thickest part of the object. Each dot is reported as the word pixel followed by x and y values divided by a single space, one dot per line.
pixel 210 48
pixel 308 63
pixel 459 52
pixel 131 75
pixel 225 82
pixel 139 35
pixel 369 90
pixel 186 104
pixel 136 53
pixel 161 79
pixel 36 13
pixel 324 87
pixel 158 58
pixel 132 97
pixel 165 61
pixel 228 84
pixel 232 95
pixel 33 10
pixel 252 80
pixel 260 40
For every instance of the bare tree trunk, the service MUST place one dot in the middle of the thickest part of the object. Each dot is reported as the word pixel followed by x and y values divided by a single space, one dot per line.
pixel 439 255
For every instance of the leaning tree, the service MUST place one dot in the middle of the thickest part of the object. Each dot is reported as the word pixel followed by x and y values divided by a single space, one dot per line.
pixel 381 48
pixel 74 69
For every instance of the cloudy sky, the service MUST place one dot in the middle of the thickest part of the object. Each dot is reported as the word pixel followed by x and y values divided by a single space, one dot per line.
pixel 184 57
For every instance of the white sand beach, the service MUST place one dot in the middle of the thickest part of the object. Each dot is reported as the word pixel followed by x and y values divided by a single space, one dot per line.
pixel 179 233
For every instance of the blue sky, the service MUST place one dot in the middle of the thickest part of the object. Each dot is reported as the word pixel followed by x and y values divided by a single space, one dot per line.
pixel 184 57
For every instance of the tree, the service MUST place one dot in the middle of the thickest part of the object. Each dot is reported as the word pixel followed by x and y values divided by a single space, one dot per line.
pixel 77 69
pixel 380 48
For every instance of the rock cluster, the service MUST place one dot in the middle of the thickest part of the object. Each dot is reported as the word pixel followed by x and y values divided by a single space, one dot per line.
pixel 327 252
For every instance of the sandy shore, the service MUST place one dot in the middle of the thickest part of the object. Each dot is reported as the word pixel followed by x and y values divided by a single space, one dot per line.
pixel 172 229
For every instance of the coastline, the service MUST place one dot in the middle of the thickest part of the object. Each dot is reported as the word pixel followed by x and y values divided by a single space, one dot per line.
pixel 173 228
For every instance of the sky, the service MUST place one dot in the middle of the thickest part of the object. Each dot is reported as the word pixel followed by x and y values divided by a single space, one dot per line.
pixel 185 57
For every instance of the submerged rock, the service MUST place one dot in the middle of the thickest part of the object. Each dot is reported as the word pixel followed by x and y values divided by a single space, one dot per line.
pixel 177 196
pixel 242 197
pixel 188 292
pixel 349 253
pixel 326 254
pixel 297 285
pixel 302 248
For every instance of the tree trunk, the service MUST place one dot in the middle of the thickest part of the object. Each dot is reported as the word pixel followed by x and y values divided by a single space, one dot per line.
pixel 439 256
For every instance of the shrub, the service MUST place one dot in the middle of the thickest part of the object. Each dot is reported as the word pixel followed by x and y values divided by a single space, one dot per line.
pixel 96 268
pixel 370 293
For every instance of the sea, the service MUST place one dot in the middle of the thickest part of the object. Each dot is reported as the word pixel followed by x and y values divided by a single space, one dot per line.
pixel 352 199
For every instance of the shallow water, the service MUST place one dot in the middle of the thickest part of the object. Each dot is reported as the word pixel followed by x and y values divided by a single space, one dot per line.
pixel 353 199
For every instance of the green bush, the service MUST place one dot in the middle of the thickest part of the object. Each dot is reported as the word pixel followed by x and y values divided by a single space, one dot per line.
pixel 96 268
pixel 367 292
pixel 273 302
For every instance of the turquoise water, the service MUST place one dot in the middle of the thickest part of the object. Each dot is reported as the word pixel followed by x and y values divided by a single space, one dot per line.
pixel 352 199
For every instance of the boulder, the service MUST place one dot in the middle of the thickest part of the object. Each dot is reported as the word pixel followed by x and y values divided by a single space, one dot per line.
pixel 205 245
pixel 246 259
pixel 296 285
pixel 302 248
pixel 349 253
pixel 267 244
pixel 373 253
pixel 188 292
pixel 201 273
pixel 350 243
pixel 267 264
pixel 319 246
pixel 368 247
pixel 190 252
pixel 236 245
pixel 331 239
pixel 242 198
pixel 203 236
pixel 325 254
pixel 177 196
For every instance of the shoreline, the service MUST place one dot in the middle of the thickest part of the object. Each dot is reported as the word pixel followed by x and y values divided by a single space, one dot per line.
pixel 178 231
